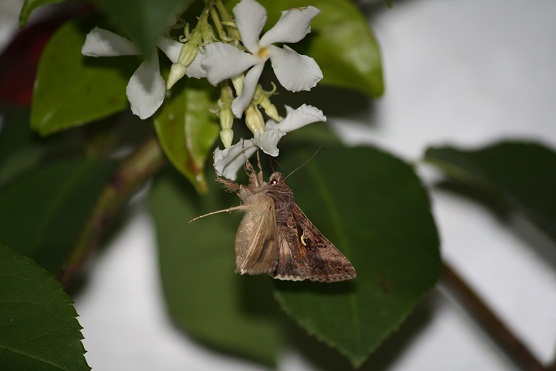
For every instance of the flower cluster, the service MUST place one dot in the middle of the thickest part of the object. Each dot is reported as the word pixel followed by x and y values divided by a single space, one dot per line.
pixel 235 59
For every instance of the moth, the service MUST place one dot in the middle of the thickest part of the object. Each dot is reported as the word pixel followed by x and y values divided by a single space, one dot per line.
pixel 276 238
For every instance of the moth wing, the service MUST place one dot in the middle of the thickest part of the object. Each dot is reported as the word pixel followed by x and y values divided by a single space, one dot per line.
pixel 255 243
pixel 305 253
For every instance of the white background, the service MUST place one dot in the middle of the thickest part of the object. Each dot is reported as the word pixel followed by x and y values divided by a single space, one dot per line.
pixel 464 72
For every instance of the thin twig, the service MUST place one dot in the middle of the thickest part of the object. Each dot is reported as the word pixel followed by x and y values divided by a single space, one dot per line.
pixel 130 176
pixel 510 344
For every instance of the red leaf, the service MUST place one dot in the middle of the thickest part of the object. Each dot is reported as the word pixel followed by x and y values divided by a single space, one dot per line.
pixel 18 63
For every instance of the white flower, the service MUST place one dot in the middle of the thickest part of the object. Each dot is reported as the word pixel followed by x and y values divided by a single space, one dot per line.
pixel 146 88
pixel 227 162
pixel 295 119
pixel 294 71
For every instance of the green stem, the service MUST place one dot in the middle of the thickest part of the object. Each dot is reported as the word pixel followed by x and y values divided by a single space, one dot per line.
pixel 508 342
pixel 227 20
pixel 131 175
pixel 216 20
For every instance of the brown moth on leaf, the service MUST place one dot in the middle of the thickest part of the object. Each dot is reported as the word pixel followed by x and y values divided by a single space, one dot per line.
pixel 276 238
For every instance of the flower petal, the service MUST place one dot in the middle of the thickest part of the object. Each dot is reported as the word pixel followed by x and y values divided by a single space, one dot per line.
pixel 297 118
pixel 250 19
pixel 146 89
pixel 195 69
pixel 268 141
pixel 249 86
pixel 103 43
pixel 227 162
pixel 171 48
pixel 224 61
pixel 294 71
pixel 293 25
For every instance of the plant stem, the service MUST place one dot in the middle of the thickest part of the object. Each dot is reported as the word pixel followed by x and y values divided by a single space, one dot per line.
pixel 510 344
pixel 130 176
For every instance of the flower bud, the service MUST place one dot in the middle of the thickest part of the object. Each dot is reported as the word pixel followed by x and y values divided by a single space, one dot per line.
pixel 254 119
pixel 226 136
pixel 188 53
pixel 261 98
pixel 269 108
pixel 237 82
pixel 177 71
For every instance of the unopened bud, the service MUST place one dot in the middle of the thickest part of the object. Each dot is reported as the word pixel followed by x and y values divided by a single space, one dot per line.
pixel 226 118
pixel 261 98
pixel 225 107
pixel 237 82
pixel 189 51
pixel 254 119
pixel 226 136
pixel 269 109
pixel 177 71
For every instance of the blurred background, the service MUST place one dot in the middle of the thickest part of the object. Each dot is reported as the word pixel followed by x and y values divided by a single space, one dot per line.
pixel 460 72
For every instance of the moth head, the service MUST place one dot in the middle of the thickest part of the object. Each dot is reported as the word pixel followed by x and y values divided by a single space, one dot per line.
pixel 276 178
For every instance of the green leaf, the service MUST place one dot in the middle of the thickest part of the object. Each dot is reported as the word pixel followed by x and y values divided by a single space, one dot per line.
pixel 187 130
pixel 203 294
pixel 144 20
pixel 373 207
pixel 43 211
pixel 521 174
pixel 38 325
pixel 71 89
pixel 29 6
pixel 21 150
pixel 341 42
pixel 318 135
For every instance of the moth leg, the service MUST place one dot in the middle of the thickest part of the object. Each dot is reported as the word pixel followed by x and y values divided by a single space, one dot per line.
pixel 228 185
pixel 259 164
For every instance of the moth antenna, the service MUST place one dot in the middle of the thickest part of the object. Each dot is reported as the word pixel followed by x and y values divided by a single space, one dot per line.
pixel 230 209
pixel 304 163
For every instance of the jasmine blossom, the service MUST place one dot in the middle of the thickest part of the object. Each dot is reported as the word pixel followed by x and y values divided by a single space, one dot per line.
pixel 294 71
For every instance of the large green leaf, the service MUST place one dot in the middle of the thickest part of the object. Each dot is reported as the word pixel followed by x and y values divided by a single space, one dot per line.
pixel 71 89
pixel 144 20
pixel 43 211
pixel 187 130
pixel 370 204
pixel 203 294
pixel 341 42
pixel 17 152
pixel 29 6
pixel 522 174
pixel 373 207
pixel 38 325
pixel 22 150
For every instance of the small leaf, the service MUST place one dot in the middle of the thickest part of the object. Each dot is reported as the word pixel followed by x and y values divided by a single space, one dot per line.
pixel 43 211
pixel 341 42
pixel 203 294
pixel 38 325
pixel 374 209
pixel 522 174
pixel 29 6
pixel 71 89
pixel 187 130
pixel 144 20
